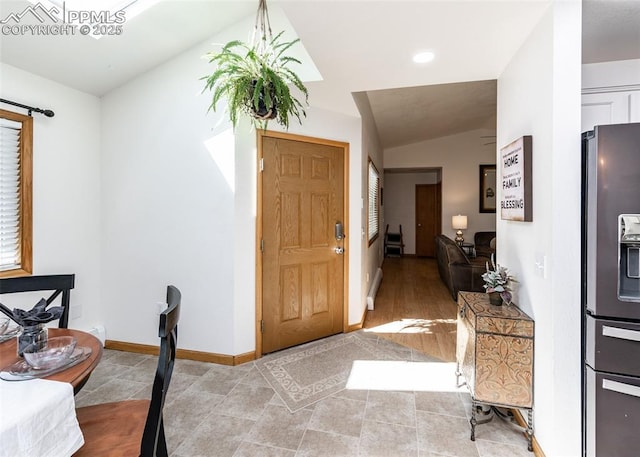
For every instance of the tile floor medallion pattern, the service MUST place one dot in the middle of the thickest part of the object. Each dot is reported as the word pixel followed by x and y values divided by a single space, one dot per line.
pixel 404 404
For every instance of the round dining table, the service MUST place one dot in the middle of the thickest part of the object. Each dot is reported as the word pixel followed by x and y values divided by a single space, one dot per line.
pixel 76 375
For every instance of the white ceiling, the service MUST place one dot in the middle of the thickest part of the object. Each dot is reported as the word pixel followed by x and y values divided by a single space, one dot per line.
pixel 358 46
pixel 414 114
pixel 610 30
pixel 98 66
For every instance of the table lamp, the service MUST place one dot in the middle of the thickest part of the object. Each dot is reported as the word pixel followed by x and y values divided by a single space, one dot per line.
pixel 459 223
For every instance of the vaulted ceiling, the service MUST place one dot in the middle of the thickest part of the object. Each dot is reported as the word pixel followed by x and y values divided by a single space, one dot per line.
pixel 358 46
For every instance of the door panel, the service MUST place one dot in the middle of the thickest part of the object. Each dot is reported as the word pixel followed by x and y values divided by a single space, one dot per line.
pixel 613 346
pixel 428 218
pixel 302 275
pixel 613 414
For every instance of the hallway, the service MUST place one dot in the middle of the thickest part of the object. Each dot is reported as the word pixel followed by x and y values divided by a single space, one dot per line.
pixel 414 308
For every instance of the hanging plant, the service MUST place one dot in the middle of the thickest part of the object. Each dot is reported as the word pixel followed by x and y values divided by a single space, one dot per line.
pixel 255 78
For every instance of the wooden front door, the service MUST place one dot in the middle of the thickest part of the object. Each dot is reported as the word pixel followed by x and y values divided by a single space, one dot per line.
pixel 302 274
pixel 428 218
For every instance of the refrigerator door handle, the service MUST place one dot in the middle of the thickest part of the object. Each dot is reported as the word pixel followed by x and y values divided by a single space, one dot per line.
pixel 621 333
pixel 621 387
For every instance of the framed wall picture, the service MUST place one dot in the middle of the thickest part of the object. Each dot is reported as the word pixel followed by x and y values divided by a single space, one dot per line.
pixel 488 189
pixel 515 179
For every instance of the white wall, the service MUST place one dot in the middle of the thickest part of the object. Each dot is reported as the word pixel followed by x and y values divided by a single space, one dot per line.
pixel 244 234
pixel 168 207
pixel 539 95
pixel 371 150
pixel 460 157
pixel 179 207
pixel 66 188
pixel 400 204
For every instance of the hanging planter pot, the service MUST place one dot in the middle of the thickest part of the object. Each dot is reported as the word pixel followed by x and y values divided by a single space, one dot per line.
pixel 267 103
pixel 255 79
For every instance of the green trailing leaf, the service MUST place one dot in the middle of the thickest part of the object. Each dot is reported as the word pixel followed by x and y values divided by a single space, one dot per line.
pixel 249 78
pixel 289 59
pixel 284 47
pixel 236 44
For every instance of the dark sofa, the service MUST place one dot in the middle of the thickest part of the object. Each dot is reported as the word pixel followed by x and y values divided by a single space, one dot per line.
pixel 482 241
pixel 458 271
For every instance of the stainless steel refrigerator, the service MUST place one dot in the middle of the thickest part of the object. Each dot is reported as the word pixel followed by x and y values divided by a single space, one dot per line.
pixel 611 290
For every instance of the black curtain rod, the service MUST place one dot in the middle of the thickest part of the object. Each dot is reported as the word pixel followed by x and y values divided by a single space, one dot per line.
pixel 46 112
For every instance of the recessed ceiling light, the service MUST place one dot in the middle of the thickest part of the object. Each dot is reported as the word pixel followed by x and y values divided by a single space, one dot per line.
pixel 423 57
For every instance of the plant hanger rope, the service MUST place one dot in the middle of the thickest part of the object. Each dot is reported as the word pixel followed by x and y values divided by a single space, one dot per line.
pixel 262 27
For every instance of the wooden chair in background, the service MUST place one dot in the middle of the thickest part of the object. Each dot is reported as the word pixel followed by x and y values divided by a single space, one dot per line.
pixel 393 243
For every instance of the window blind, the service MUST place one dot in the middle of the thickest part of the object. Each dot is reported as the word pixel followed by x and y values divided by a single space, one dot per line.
pixel 374 191
pixel 10 249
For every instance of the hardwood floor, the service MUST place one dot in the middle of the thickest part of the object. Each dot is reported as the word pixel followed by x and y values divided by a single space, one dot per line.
pixel 414 308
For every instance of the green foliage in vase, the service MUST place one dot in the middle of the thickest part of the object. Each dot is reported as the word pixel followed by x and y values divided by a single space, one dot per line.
pixel 498 279
pixel 256 80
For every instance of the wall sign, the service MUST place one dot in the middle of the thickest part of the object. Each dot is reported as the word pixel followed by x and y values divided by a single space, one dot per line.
pixel 515 181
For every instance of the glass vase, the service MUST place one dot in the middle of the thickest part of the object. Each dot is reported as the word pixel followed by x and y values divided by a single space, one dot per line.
pixel 32 334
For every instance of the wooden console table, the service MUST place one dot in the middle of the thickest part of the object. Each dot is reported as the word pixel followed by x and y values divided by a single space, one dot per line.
pixel 494 354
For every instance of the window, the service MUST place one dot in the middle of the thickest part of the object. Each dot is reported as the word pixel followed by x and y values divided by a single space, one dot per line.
pixel 16 138
pixel 374 199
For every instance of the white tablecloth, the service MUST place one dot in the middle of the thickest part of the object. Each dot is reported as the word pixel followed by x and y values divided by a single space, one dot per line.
pixel 38 419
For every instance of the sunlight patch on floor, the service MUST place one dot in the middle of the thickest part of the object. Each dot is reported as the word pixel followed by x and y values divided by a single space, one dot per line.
pixel 403 376
pixel 412 326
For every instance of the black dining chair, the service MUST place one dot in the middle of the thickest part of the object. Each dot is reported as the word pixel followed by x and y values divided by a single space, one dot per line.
pixel 135 427
pixel 59 284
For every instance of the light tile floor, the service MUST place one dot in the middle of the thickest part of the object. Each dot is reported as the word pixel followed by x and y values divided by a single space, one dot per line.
pixel 217 410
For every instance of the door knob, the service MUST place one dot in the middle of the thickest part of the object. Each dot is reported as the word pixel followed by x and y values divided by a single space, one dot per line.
pixel 339 250
pixel 419 225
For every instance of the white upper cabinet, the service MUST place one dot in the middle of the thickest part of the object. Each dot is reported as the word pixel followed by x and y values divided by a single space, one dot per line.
pixel 610 93
pixel 610 108
pixel 634 106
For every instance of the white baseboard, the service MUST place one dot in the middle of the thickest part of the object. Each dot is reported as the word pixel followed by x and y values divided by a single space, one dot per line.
pixel 373 290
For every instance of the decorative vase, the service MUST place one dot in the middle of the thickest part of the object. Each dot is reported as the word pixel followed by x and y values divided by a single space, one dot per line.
pixel 495 298
pixel 33 334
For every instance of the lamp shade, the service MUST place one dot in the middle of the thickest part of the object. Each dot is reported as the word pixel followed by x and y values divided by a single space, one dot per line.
pixel 459 222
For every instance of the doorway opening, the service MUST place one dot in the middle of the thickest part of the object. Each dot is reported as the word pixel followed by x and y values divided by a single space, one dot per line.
pixel 413 199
